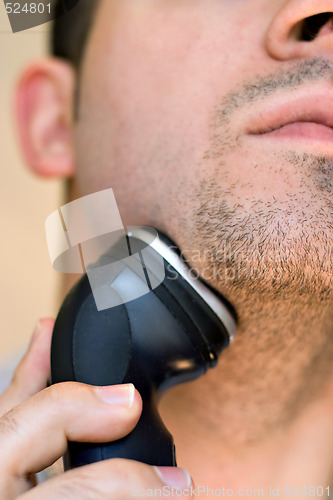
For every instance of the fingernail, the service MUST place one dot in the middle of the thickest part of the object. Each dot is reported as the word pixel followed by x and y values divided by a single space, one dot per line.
pixel 176 477
pixel 36 332
pixel 117 395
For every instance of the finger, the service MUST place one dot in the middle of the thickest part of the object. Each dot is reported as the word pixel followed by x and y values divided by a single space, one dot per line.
pixel 35 433
pixel 116 478
pixel 33 371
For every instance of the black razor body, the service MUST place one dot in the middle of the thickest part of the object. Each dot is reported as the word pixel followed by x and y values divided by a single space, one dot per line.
pixel 166 337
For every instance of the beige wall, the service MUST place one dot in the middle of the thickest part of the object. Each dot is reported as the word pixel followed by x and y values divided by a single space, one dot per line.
pixel 28 282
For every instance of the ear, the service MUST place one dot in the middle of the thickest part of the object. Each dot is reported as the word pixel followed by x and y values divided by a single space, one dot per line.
pixel 44 113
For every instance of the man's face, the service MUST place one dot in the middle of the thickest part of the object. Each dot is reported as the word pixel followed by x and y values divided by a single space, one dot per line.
pixel 176 101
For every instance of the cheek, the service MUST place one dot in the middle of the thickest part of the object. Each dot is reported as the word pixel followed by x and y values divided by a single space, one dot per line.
pixel 151 83
pixel 161 74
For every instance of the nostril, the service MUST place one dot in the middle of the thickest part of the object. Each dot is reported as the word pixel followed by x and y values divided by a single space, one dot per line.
pixel 311 26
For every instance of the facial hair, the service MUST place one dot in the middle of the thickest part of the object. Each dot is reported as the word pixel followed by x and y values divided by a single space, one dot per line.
pixel 272 259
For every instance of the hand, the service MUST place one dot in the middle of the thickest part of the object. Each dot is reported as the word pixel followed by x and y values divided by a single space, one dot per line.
pixel 36 422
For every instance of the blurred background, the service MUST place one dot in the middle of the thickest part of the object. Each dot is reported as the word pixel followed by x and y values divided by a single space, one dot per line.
pixel 29 285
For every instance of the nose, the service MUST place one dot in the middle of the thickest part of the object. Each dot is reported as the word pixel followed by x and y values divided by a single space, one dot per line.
pixel 301 29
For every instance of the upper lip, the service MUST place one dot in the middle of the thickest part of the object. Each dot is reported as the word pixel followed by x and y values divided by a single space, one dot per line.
pixel 314 107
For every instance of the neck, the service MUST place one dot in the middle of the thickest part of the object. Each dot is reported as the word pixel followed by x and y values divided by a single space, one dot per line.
pixel 263 416
pixel 300 455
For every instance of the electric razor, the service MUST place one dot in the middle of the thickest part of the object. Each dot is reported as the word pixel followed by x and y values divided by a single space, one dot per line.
pixel 170 335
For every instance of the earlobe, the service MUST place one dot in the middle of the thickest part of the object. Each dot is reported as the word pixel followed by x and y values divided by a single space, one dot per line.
pixel 44 114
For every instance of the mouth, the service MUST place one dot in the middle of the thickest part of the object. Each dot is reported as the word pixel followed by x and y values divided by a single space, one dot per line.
pixel 307 130
pixel 306 118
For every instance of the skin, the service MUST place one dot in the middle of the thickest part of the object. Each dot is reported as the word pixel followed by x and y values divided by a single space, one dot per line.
pixel 170 97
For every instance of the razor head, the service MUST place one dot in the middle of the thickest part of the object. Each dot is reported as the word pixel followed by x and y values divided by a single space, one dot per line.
pixel 173 317
pixel 146 261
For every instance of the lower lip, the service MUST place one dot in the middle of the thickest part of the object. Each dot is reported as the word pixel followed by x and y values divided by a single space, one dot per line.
pixel 302 130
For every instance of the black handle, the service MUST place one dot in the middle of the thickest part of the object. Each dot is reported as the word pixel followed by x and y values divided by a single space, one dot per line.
pixel 166 337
